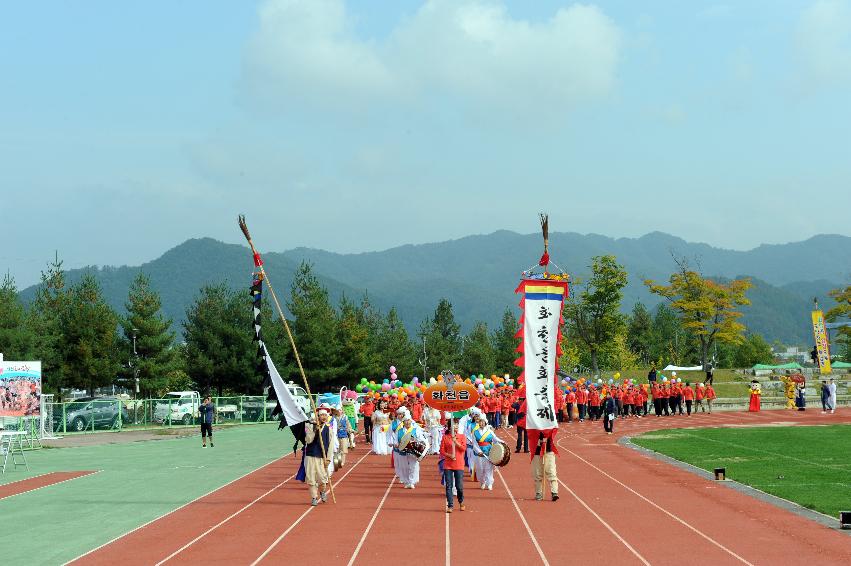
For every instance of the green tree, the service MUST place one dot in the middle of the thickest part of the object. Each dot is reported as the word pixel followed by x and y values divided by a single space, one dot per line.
pixel 395 348
pixel 842 312
pixel 477 356
pixel 314 329
pixel 505 345
pixel 618 354
pixel 753 350
pixel 89 337
pixel 16 339
pixel 594 312
pixel 640 332
pixel 671 343
pixel 149 332
pixel 353 337
pixel 44 321
pixel 707 308
pixel 220 352
pixel 443 338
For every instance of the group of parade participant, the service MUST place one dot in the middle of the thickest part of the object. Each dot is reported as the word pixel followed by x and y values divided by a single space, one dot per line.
pixel 407 430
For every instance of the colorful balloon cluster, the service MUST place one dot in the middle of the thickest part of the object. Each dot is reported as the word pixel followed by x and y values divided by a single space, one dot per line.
pixel 393 387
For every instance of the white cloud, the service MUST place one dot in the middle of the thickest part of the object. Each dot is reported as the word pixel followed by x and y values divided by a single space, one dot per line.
pixel 473 52
pixel 824 42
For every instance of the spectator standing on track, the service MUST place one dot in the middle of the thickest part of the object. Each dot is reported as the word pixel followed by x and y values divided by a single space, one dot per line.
pixel 610 407
pixel 367 409
pixel 699 394
pixel 207 411
pixel 710 396
pixel 570 400
pixel 800 397
pixel 452 450
pixel 342 434
pixel 581 401
pixel 688 396
pixel 593 404
pixel 832 397
pixel 317 450
pixel 522 435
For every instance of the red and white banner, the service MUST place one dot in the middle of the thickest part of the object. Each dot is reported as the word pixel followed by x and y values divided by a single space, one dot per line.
pixel 540 330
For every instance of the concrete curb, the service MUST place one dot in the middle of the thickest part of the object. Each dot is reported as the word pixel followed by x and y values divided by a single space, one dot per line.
pixel 825 520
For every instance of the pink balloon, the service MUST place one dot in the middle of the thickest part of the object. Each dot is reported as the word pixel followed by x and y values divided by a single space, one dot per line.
pixel 392 369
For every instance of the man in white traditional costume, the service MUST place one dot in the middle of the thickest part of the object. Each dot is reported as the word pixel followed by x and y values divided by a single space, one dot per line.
pixel 484 437
pixel 393 441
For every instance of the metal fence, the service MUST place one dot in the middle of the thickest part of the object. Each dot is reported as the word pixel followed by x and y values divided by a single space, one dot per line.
pixel 118 414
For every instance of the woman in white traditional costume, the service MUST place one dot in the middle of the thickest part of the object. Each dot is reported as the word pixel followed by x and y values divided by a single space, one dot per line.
pixel 380 426
pixel 435 431
pixel 484 437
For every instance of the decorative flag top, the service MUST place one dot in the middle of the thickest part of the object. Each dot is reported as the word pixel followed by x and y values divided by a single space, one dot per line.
pixel 542 299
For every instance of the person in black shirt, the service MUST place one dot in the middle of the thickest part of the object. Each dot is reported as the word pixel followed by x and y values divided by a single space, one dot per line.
pixel 207 410
pixel 651 375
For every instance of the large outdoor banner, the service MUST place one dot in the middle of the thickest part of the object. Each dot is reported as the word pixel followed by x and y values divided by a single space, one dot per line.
pixel 822 344
pixel 540 329
pixel 20 389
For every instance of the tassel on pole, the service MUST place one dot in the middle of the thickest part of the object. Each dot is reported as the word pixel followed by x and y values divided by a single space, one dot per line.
pixel 545 230
pixel 258 262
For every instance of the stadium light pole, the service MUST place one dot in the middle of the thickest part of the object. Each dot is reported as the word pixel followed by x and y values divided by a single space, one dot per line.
pixel 135 365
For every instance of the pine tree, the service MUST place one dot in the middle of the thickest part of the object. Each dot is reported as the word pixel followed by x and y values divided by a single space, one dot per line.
pixel 477 356
pixel 44 319
pixel 443 338
pixel 89 337
pixel 146 329
pixel 640 332
pixel 16 339
pixel 505 345
pixel 314 329
pixel 220 350
pixel 353 338
pixel 396 348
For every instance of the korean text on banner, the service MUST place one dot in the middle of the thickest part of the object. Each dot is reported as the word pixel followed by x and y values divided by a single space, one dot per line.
pixel 822 344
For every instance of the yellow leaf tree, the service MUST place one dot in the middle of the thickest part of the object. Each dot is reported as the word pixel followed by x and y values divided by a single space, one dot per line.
pixel 707 308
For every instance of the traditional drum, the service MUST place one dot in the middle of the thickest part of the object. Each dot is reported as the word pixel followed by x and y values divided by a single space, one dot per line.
pixel 499 454
pixel 417 449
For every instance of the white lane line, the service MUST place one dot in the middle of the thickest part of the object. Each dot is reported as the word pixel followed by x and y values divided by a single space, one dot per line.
pixel 91 473
pixel 371 522
pixel 605 524
pixel 523 518
pixel 220 523
pixel 662 509
pixel 176 510
pixel 448 544
pixel 303 515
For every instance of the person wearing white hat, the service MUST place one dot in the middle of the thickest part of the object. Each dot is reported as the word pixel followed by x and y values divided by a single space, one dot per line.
pixel 431 418
pixel 484 436
pixel 393 440
pixel 317 456
pixel 409 465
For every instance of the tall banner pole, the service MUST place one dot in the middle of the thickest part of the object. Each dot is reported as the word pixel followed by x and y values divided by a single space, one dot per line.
pixel 822 343
pixel 258 263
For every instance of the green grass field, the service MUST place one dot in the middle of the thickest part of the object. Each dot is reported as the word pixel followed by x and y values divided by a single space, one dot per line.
pixel 809 465
pixel 138 482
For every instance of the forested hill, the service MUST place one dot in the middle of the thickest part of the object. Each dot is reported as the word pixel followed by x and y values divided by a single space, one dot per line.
pixel 478 274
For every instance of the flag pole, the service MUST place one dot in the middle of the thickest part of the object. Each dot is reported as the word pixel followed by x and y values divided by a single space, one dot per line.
pixel 258 262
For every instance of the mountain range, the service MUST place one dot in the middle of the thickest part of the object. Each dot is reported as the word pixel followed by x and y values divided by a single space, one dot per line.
pixel 478 274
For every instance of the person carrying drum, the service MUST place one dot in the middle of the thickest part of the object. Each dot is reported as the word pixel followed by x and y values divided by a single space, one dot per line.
pixel 484 437
pixel 408 433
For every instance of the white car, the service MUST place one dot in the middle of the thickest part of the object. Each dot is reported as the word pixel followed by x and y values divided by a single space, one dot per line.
pixel 181 407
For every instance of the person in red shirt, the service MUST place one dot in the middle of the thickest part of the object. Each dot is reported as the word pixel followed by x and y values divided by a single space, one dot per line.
pixel 522 435
pixel 417 411
pixel 710 396
pixel 627 400
pixel 366 410
pixel 581 401
pixel 699 394
pixel 594 402
pixel 688 397
pixel 505 406
pixel 569 400
pixel 452 449
pixel 559 404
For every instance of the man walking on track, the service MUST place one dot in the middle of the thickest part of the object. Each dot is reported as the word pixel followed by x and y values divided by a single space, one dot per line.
pixel 522 435
pixel 544 465
pixel 609 410
pixel 316 451
pixel 367 409
pixel 206 411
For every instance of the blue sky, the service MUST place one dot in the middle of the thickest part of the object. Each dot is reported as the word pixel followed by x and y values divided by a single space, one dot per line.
pixel 126 128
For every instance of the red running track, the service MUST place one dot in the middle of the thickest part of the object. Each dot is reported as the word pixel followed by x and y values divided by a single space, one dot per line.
pixel 617 505
pixel 38 482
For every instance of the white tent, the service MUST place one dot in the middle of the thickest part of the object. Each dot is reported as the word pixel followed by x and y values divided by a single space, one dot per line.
pixel 682 368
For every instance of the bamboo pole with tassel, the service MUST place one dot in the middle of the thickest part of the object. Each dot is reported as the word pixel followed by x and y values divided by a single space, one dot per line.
pixel 258 262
